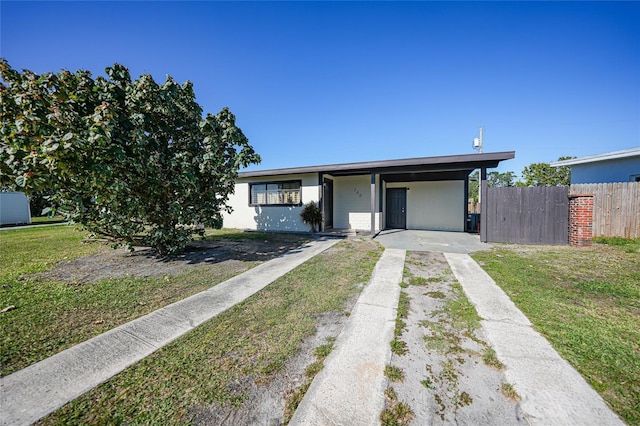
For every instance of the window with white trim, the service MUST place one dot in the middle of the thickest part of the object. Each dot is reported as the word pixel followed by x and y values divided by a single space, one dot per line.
pixel 287 193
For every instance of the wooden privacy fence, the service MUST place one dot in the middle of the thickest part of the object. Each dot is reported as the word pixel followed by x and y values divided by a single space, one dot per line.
pixel 536 215
pixel 616 208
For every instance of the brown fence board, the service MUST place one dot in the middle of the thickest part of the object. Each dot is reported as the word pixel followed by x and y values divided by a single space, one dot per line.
pixel 616 208
pixel 537 215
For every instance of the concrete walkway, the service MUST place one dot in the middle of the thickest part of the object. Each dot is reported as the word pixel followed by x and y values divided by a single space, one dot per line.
pixel 552 391
pixel 350 388
pixel 29 394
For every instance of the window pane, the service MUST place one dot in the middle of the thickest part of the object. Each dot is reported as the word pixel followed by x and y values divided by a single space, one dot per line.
pixel 277 193
pixel 292 196
pixel 272 194
pixel 258 194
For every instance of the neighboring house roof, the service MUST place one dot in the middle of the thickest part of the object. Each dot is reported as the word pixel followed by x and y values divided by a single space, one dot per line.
pixel 625 153
pixel 448 163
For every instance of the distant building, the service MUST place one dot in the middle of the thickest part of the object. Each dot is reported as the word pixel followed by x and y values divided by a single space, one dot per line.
pixel 14 208
pixel 616 166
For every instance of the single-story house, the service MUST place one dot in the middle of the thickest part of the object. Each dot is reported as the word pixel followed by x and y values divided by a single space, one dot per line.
pixel 616 166
pixel 414 193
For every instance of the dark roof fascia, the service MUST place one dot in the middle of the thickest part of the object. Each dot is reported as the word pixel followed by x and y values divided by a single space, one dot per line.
pixel 427 176
pixel 440 163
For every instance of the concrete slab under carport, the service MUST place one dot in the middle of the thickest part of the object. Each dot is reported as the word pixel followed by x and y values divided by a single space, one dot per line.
pixel 437 241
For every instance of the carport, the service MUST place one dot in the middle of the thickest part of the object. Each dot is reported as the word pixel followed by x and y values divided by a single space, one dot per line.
pixel 427 193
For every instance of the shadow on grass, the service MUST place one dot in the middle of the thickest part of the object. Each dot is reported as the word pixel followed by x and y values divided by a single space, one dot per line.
pixel 242 246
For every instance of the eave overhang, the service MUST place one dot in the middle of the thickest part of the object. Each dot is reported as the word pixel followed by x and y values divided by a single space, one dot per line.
pixel 447 163
pixel 607 156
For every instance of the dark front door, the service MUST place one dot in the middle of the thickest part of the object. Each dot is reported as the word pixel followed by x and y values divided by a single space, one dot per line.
pixel 327 203
pixel 397 208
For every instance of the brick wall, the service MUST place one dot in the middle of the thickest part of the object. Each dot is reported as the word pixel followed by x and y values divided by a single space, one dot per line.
pixel 580 219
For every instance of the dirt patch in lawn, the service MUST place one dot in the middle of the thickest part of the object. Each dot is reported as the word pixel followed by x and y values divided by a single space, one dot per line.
pixel 266 404
pixel 246 365
pixel 142 263
pixel 449 374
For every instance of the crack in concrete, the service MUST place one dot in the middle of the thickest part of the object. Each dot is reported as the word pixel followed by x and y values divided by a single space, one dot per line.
pixel 506 321
pixel 375 305
pixel 327 419
pixel 140 338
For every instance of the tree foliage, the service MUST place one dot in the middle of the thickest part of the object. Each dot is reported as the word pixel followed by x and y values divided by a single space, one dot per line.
pixel 494 179
pixel 40 201
pixel 497 179
pixel 133 161
pixel 535 174
pixel 474 183
pixel 542 174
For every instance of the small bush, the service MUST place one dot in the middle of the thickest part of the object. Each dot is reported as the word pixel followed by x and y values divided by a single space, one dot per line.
pixel 312 215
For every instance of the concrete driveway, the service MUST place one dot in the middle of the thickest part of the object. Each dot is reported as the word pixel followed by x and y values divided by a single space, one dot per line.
pixel 437 241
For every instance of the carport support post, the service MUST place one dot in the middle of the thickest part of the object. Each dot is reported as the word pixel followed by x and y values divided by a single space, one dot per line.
pixel 321 198
pixel 482 197
pixel 373 204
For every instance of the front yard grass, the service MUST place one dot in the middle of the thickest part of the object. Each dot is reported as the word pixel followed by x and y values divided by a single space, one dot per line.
pixel 43 316
pixel 42 220
pixel 217 362
pixel 36 249
pixel 586 302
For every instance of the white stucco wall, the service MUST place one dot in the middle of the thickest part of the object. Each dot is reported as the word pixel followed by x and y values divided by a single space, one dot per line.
pixel 14 208
pixel 436 206
pixel 616 170
pixel 352 203
pixel 270 218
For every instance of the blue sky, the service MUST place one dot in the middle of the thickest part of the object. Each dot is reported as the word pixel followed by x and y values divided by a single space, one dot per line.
pixel 332 82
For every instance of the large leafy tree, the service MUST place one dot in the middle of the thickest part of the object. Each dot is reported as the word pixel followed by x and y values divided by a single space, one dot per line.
pixel 542 174
pixel 133 161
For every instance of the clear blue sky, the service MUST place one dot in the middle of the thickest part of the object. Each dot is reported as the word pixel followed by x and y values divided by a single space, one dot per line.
pixel 332 82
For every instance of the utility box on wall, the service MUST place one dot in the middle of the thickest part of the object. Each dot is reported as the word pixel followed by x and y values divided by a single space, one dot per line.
pixel 14 208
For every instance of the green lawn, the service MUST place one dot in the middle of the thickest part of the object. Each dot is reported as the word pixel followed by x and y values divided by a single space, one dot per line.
pixel 47 220
pixel 46 316
pixel 217 362
pixel 29 250
pixel 586 301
